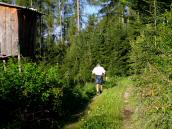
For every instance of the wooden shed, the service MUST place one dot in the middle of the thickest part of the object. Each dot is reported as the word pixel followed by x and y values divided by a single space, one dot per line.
pixel 18 27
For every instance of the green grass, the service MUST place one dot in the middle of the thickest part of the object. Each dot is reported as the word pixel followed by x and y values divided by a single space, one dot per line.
pixel 105 112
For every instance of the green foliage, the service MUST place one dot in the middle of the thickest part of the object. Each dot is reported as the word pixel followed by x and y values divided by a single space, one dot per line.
pixel 40 92
pixel 111 81
pixel 138 44
pixel 78 97
pixel 89 91
pixel 106 110
pixel 151 54
pixel 146 8
pixel 105 43
pixel 55 54
pixel 30 90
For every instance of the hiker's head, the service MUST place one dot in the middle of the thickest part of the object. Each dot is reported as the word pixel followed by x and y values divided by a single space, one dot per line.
pixel 98 65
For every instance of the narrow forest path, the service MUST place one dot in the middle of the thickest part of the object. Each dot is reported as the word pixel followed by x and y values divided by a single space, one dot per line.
pixel 110 110
pixel 128 109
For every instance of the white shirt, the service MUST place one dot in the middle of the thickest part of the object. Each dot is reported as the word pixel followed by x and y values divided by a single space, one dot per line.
pixel 98 70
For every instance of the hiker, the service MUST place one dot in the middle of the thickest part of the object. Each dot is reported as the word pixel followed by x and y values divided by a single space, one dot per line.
pixel 99 71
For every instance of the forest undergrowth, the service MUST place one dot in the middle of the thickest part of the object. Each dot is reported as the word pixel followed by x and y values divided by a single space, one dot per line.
pixel 106 110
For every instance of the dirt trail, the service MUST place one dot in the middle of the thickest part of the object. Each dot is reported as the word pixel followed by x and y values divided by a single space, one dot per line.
pixel 128 109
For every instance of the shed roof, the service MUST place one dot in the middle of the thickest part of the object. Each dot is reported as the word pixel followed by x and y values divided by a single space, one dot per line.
pixel 21 7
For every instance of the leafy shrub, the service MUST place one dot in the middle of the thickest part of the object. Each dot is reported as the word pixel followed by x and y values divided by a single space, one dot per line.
pixel 111 82
pixel 89 90
pixel 78 97
pixel 38 96
pixel 29 92
pixel 152 63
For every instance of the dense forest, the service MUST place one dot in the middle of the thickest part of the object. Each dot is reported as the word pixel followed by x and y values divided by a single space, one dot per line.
pixel 129 38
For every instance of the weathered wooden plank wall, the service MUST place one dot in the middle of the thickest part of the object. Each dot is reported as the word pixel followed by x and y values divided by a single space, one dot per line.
pixel 8 36
pixel 18 26
pixel 27 32
pixel 1 30
pixel 16 34
pixel 8 31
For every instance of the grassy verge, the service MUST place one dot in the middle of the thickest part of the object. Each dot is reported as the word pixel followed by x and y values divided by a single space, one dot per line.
pixel 105 112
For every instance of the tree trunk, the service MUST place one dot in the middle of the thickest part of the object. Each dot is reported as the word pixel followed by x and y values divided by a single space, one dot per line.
pixel 31 3
pixel 60 15
pixel 155 18
pixel 78 15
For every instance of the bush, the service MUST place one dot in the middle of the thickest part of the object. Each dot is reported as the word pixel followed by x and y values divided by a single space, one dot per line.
pixel 78 97
pixel 38 96
pixel 89 90
pixel 152 64
pixel 111 82
pixel 31 92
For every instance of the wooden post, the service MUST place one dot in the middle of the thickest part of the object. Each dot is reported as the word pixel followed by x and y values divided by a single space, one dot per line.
pixel 19 58
pixel 4 64
pixel 31 3
pixel 60 16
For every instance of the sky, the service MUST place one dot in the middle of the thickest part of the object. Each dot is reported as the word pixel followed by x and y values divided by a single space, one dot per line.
pixel 89 10
pixel 86 11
